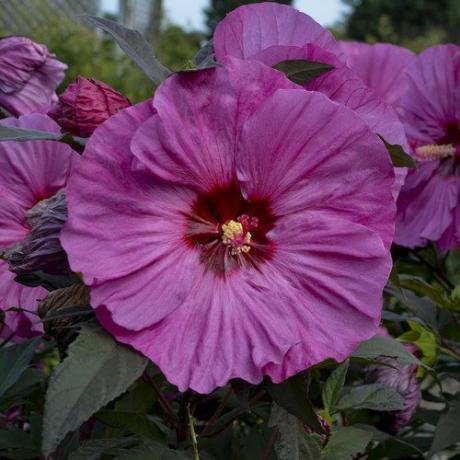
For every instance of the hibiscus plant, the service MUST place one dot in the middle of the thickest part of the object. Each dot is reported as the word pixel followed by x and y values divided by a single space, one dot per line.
pixel 258 262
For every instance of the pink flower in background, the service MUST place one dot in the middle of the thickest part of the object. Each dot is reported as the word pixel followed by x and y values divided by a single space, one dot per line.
pixel 85 104
pixel 30 172
pixel 428 206
pixel 272 33
pixel 402 378
pixel 381 66
pixel 235 227
pixel 250 29
pixel 29 76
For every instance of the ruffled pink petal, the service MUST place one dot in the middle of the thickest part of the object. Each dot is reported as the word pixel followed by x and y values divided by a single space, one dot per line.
pixel 251 28
pixel 30 78
pixel 380 66
pixel 224 329
pixel 431 103
pixel 133 227
pixel 19 58
pixel 33 170
pixel 450 239
pixel 339 286
pixel 343 85
pixel 13 226
pixel 426 206
pixel 325 157
pixel 210 107
pixel 23 324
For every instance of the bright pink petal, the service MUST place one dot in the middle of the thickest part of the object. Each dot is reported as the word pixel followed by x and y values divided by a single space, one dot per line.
pixel 227 329
pixel 343 85
pixel 450 239
pixel 14 295
pixel 33 170
pixel 431 103
pixel 339 286
pixel 305 155
pixel 13 226
pixel 224 329
pixel 251 28
pixel 29 76
pixel 425 206
pixel 19 58
pixel 380 66
pixel 325 157
pixel 210 106
pixel 137 229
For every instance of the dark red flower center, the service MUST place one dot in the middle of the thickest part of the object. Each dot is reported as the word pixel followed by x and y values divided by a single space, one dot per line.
pixel 229 230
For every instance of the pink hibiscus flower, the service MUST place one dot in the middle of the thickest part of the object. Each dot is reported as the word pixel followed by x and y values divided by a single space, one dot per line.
pixel 428 207
pixel 234 227
pixel 272 33
pixel 29 76
pixel 381 66
pixel 29 173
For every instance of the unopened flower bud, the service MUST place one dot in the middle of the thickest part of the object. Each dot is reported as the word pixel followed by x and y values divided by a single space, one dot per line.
pixel 85 104
pixel 41 249
pixel 403 379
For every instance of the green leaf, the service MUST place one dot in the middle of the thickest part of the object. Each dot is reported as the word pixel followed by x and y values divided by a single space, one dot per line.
pixel 139 399
pixel 293 442
pixel 11 133
pixel 15 438
pixel 22 388
pixel 14 360
pixel 379 346
pixel 205 58
pixel 96 371
pixel 133 423
pixel 301 72
pixel 135 46
pixel 292 395
pixel 421 287
pixel 333 386
pixel 399 157
pixel 425 340
pixel 345 443
pixel 447 431
pixel 153 451
pixel 95 448
pixel 374 396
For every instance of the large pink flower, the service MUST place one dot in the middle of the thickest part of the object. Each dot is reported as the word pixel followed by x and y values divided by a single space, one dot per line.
pixel 235 227
pixel 29 76
pixel 428 207
pixel 381 66
pixel 271 33
pixel 29 173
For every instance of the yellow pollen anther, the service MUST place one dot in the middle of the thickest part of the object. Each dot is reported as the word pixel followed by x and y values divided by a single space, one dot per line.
pixel 233 235
pixel 434 152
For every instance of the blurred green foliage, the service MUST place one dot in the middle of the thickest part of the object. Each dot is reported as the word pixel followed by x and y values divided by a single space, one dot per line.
pixel 92 54
pixel 217 10
pixel 415 24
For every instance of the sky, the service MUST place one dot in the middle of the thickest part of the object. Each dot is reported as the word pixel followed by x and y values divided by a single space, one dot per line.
pixel 189 13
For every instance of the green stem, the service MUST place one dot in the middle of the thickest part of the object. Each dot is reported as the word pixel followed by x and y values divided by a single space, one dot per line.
pixel 196 454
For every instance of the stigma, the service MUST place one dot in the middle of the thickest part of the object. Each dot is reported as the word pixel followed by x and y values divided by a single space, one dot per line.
pixel 434 152
pixel 236 234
